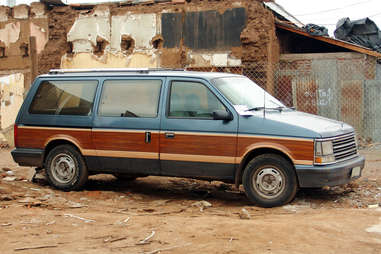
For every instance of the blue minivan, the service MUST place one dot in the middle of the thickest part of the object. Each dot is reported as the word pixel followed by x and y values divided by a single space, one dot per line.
pixel 213 126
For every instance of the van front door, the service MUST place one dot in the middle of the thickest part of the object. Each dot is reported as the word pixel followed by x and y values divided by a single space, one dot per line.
pixel 126 127
pixel 192 143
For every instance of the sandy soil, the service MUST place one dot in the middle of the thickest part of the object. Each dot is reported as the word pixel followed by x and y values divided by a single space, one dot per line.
pixel 165 215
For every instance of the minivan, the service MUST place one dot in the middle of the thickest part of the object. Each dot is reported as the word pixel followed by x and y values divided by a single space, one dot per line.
pixel 203 125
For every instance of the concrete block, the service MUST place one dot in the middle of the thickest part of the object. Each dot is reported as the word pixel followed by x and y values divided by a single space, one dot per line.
pixel 37 10
pixel 140 27
pixel 4 12
pixel 21 11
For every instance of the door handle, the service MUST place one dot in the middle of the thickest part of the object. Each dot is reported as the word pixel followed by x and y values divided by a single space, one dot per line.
pixel 148 137
pixel 169 134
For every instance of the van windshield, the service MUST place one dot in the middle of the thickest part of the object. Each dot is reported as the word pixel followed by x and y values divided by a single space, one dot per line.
pixel 244 93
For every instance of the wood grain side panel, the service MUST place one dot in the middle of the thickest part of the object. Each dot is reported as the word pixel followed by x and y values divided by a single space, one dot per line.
pixel 296 149
pixel 125 141
pixel 199 145
pixel 39 137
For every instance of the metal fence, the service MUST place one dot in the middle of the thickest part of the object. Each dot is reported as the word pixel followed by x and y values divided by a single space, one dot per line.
pixel 349 91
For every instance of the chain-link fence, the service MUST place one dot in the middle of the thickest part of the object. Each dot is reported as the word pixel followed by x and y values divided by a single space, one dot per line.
pixel 345 90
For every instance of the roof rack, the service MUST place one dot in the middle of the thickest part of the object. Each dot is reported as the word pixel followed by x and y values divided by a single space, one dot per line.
pixel 139 70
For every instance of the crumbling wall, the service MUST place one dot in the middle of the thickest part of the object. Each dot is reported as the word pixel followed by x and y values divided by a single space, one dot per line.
pixel 18 55
pixel 17 25
pixel 196 34
pixel 193 34
pixel 202 35
pixel 11 98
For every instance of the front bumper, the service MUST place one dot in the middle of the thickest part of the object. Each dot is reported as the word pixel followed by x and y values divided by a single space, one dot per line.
pixel 328 175
pixel 28 156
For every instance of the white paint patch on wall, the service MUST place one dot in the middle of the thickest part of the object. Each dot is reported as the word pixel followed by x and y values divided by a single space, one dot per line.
pixel 10 33
pixel 41 36
pixel 215 59
pixel 140 27
pixel 12 96
pixel 89 28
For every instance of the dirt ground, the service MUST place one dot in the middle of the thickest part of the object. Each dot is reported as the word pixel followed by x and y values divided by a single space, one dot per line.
pixel 173 215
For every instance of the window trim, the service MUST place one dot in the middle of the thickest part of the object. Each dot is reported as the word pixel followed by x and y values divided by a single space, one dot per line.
pixel 167 108
pixel 129 79
pixel 63 80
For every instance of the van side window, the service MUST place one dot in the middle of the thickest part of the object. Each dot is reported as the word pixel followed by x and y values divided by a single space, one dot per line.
pixel 64 98
pixel 130 98
pixel 192 100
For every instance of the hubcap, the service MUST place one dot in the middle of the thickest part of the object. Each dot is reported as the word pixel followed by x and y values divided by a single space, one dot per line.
pixel 269 182
pixel 63 168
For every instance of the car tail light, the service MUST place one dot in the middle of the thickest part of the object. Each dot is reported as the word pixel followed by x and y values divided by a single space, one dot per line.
pixel 15 132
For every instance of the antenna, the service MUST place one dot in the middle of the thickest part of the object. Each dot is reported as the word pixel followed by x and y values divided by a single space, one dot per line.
pixel 264 103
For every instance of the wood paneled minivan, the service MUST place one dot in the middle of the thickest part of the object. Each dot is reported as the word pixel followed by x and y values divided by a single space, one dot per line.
pixel 214 126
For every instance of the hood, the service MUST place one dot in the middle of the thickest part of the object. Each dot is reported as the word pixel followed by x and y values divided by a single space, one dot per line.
pixel 297 124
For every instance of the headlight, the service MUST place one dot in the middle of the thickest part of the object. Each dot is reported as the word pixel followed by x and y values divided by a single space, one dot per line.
pixel 324 152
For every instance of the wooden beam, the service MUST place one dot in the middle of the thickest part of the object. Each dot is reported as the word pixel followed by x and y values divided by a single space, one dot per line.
pixel 33 57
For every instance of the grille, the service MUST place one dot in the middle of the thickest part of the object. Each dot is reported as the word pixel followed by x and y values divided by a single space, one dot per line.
pixel 344 147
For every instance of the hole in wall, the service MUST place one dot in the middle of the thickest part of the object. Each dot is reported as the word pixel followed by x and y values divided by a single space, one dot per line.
pixel 157 42
pixel 127 43
pixel 2 52
pixel 99 48
pixel 24 49
pixel 69 49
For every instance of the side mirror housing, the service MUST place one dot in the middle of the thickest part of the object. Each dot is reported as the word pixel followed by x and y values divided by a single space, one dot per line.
pixel 222 115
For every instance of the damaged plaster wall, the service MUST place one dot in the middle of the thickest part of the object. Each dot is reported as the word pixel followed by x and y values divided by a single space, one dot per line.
pixel 11 99
pixel 195 35
pixel 203 35
pixel 17 25
pixel 125 42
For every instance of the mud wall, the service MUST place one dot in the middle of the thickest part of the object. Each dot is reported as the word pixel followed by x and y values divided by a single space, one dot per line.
pixel 236 36
pixel 186 34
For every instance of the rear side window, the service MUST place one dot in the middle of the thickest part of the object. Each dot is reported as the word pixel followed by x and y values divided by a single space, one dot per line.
pixel 64 98
pixel 130 98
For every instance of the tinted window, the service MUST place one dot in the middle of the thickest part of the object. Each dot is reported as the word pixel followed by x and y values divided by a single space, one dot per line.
pixel 192 99
pixel 64 98
pixel 130 98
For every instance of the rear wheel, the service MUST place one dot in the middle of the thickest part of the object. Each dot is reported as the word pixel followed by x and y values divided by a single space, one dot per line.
pixel 65 168
pixel 269 180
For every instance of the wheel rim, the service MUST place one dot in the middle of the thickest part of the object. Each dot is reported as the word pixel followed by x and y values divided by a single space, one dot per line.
pixel 63 168
pixel 269 182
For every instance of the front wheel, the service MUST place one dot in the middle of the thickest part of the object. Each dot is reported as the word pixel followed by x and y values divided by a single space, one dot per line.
pixel 65 168
pixel 269 180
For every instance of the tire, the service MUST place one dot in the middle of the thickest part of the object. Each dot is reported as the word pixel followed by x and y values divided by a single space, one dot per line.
pixel 65 168
pixel 269 180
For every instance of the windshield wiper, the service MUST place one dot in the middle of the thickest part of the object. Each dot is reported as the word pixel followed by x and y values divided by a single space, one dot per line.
pixel 280 108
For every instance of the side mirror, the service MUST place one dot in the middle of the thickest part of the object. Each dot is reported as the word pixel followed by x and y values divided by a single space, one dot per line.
pixel 222 115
